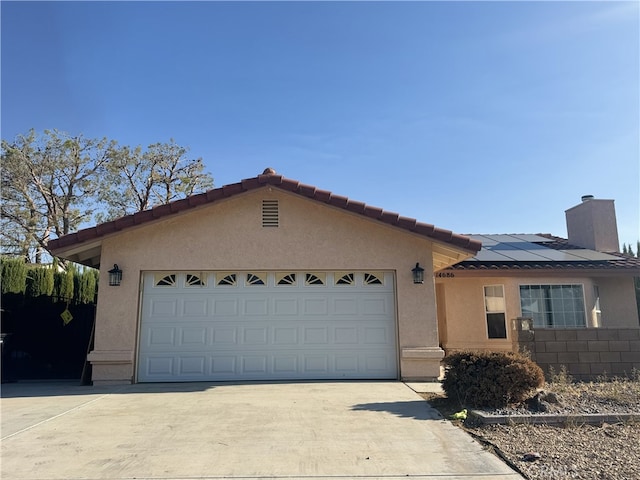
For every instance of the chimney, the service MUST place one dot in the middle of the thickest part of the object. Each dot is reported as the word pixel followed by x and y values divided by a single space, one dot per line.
pixel 592 224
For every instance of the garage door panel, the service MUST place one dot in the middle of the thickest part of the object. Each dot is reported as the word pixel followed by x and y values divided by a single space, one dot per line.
pixel 256 307
pixel 376 363
pixel 375 336
pixel 225 307
pixel 225 336
pixel 254 336
pixel 161 337
pixel 164 308
pixel 316 365
pixel 346 335
pixel 285 364
pixel 261 332
pixel 192 365
pixel 285 336
pixel 286 306
pixel 315 306
pixel 193 336
pixel 194 308
pixel 345 306
pixel 347 364
pixel 375 306
pixel 254 365
pixel 223 365
pixel 159 366
pixel 316 336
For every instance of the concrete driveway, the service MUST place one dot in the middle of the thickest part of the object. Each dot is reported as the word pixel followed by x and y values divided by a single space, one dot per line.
pixel 363 430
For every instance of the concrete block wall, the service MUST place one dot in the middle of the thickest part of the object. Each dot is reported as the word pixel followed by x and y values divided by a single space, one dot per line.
pixel 586 352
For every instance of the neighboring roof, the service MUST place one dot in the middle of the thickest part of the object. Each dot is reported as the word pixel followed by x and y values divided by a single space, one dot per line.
pixel 92 236
pixel 543 252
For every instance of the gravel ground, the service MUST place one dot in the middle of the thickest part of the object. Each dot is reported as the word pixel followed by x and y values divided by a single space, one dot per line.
pixel 610 452
pixel 571 451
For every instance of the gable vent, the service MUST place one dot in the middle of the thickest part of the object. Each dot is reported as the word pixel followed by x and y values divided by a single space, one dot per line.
pixel 270 213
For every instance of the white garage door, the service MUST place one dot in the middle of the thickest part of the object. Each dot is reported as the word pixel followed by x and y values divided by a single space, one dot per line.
pixel 198 326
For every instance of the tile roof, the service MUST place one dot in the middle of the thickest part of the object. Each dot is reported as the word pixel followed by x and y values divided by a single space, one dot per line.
pixel 268 178
pixel 622 262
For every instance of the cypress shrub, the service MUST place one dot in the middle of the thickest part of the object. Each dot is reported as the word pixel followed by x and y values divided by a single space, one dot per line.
pixel 40 281
pixel 490 379
pixel 85 286
pixel 14 275
pixel 64 283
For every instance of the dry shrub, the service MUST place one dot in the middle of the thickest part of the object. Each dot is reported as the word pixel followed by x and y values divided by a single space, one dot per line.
pixel 490 379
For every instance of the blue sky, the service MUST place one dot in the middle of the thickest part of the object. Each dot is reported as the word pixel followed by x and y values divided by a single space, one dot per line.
pixel 478 117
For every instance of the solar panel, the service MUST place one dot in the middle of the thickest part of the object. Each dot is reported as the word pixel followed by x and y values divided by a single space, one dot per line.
pixel 530 248
pixel 517 246
pixel 523 256
pixel 484 239
pixel 528 237
pixel 585 254
pixel 561 255
pixel 504 238
pixel 490 256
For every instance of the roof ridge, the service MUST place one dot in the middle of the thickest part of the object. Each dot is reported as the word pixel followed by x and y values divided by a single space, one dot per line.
pixel 268 177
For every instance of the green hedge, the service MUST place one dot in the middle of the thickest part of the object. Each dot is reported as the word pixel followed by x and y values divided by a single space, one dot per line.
pixel 73 285
pixel 14 275
pixel 40 282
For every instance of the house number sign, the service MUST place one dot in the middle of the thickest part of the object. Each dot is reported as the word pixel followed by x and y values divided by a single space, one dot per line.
pixel 445 275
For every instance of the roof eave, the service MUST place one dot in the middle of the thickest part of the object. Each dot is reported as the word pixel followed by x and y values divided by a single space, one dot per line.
pixel 455 248
pixel 523 271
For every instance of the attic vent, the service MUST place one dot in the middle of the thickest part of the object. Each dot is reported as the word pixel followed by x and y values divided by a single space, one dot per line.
pixel 270 213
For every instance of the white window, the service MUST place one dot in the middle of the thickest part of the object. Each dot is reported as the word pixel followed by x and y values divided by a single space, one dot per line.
pixel 559 306
pixel 495 311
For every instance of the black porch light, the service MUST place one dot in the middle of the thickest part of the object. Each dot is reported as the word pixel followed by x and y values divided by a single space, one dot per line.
pixel 115 276
pixel 418 274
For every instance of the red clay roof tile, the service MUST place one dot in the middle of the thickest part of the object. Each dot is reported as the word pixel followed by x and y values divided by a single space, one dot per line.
pixel 128 221
pixel 105 229
pixel 198 199
pixel 179 205
pixel 323 196
pixel 373 212
pixel 267 178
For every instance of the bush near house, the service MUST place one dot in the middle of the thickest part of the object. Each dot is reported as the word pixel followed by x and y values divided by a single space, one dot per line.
pixel 47 317
pixel 490 379
pixel 14 275
pixel 72 285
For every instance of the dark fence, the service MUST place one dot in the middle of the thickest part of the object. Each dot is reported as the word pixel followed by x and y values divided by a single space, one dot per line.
pixel 36 341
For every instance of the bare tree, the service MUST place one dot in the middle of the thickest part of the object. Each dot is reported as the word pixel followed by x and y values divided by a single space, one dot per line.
pixel 138 180
pixel 54 183
pixel 49 187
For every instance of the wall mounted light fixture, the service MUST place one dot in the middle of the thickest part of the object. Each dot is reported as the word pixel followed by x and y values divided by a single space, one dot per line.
pixel 115 276
pixel 418 274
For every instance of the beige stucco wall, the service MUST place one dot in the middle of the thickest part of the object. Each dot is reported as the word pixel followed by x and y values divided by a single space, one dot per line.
pixel 462 300
pixel 592 224
pixel 228 235
pixel 617 301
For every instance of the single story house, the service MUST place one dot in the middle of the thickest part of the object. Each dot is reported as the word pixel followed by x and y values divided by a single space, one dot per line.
pixel 579 282
pixel 270 279
pixel 265 279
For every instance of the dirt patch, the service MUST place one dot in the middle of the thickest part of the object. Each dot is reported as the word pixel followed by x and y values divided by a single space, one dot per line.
pixel 570 451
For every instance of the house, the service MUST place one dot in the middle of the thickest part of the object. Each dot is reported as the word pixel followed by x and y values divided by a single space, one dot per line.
pixel 270 279
pixel 579 282
pixel 569 303
pixel 265 279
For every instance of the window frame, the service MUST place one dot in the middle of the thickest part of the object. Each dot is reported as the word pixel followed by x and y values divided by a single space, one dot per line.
pixel 549 300
pixel 488 312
